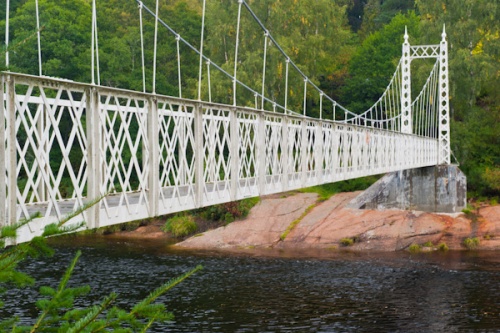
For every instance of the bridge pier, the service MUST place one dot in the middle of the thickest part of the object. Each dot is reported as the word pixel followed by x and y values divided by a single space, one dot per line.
pixel 441 189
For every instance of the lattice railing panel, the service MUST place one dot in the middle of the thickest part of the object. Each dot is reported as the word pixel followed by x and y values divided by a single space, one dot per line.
pixel 51 147
pixel 329 157
pixel 295 138
pixel 247 152
pixel 311 137
pixel 216 155
pixel 274 147
pixel 177 156
pixel 124 154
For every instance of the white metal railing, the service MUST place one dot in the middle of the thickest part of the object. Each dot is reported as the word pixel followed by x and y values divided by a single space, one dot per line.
pixel 67 143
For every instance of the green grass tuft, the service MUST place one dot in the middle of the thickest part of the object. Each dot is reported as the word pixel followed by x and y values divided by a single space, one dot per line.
pixel 414 248
pixel 180 225
pixel 443 247
pixel 347 241
pixel 471 243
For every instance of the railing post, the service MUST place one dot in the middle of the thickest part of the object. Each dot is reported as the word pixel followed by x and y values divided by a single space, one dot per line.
pixel 154 166
pixel 303 153
pixel 406 116
pixel 261 152
pixel 234 153
pixel 199 155
pixel 318 151
pixel 94 141
pixel 11 153
pixel 444 107
pixel 285 163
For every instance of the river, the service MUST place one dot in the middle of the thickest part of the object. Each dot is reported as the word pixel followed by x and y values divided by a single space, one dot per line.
pixel 273 291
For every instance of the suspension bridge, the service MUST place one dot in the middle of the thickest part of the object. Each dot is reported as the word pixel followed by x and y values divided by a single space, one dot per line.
pixel 147 154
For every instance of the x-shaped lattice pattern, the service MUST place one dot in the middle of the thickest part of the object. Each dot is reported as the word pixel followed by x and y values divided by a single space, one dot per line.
pixel 124 152
pixel 51 147
pixel 424 51
pixel 177 154
pixel 247 155
pixel 216 154
pixel 274 148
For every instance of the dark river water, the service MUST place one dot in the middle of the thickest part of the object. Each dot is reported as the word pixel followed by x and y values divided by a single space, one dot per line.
pixel 275 291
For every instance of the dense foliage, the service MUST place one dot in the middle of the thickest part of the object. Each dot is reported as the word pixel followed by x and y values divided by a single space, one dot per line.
pixel 349 48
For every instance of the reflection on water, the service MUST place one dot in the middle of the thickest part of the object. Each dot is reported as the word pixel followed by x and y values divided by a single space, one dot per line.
pixel 275 291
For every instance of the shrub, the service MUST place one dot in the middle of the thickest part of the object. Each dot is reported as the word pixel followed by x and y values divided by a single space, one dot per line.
pixel 443 247
pixel 347 241
pixel 471 243
pixel 428 244
pixel 228 212
pixel 414 248
pixel 180 225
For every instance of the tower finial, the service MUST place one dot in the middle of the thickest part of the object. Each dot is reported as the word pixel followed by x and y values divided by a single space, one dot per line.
pixel 406 34
pixel 443 35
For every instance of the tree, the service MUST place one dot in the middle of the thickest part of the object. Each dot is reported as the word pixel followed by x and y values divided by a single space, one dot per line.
pixel 378 13
pixel 374 63
pixel 473 32
pixel 304 30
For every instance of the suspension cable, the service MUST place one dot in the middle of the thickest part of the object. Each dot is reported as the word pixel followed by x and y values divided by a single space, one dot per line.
pixel 38 39
pixel 97 47
pixel 179 78
pixel 264 68
pixel 92 45
pixel 142 49
pixel 236 50
pixel 201 49
pixel 7 16
pixel 155 47
pixel 208 82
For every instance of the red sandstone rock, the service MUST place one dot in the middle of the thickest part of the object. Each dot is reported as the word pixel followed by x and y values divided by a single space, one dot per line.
pixel 330 221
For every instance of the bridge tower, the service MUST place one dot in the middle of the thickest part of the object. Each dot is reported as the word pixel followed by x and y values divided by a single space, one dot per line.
pixel 439 52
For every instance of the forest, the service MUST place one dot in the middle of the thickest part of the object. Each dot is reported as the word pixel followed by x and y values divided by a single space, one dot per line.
pixel 348 48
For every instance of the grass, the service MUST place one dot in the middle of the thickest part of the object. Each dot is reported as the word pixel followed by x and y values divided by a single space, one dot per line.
pixel 443 247
pixel 325 191
pixel 227 212
pixel 180 225
pixel 428 244
pixel 295 222
pixel 414 248
pixel 347 241
pixel 471 243
pixel 468 210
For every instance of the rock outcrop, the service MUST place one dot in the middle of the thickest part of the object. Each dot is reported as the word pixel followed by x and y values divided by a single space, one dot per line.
pixel 328 223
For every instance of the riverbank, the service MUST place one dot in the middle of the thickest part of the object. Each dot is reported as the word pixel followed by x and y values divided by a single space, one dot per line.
pixel 296 221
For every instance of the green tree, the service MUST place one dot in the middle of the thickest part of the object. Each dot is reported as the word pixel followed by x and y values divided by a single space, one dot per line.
pixel 473 32
pixel 65 38
pixel 378 13
pixel 374 63
pixel 305 31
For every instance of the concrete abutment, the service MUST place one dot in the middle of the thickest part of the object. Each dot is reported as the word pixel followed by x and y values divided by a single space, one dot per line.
pixel 441 189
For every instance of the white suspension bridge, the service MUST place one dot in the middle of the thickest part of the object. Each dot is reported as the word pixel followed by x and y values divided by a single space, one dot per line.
pixel 152 154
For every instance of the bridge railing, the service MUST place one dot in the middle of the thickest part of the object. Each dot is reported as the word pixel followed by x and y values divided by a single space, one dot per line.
pixel 66 143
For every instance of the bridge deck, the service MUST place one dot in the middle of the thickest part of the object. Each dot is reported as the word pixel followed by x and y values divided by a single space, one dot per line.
pixel 155 155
